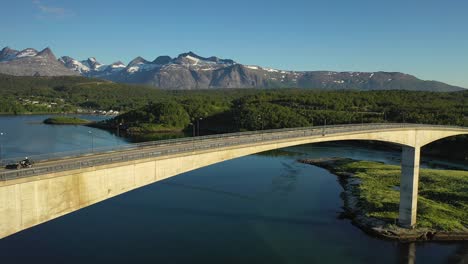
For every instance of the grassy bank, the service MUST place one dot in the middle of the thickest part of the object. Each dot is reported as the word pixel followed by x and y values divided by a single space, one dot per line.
pixel 372 192
pixel 66 120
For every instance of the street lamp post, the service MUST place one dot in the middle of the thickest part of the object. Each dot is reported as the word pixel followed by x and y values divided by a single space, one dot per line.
pixel 92 140
pixel 324 126
pixel 1 144
pixel 198 125
pixel 118 129
pixel 193 128
pixel 261 121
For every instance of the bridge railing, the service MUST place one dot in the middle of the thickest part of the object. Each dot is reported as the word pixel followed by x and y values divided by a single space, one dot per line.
pixel 100 156
pixel 98 150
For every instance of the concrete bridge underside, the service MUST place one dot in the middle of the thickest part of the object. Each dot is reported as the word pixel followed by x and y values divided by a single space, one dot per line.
pixel 26 202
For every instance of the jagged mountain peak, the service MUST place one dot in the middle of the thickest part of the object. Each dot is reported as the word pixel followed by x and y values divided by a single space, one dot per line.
pixel 192 58
pixel 65 58
pixel 92 63
pixel 136 61
pixel 7 53
pixel 7 49
pixel 74 65
pixel 191 54
pixel 30 62
pixel 47 52
pixel 92 60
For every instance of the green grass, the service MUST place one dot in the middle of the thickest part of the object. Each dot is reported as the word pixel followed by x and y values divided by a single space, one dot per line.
pixel 443 194
pixel 66 120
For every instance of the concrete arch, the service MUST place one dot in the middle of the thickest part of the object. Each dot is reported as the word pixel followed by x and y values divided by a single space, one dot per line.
pixel 412 138
pixel 27 202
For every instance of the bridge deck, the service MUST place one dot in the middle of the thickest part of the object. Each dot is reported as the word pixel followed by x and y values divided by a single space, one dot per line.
pixel 186 145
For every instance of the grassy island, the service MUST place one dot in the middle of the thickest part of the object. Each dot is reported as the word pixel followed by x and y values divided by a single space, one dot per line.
pixel 371 196
pixel 66 120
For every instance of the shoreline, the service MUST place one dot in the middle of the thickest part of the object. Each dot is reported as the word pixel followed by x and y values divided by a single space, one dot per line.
pixel 373 226
pixel 66 120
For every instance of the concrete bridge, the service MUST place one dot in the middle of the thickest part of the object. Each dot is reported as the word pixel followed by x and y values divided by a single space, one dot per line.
pixel 54 188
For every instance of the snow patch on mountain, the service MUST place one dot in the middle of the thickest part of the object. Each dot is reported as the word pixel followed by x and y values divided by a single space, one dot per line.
pixel 133 69
pixel 195 60
pixel 80 67
pixel 117 65
pixel 26 53
pixel 270 70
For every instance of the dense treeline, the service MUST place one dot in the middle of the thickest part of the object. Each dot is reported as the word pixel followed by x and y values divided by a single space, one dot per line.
pixel 341 107
pixel 293 108
pixel 155 117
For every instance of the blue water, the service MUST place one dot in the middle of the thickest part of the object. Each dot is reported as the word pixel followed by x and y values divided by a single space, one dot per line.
pixel 265 208
pixel 28 136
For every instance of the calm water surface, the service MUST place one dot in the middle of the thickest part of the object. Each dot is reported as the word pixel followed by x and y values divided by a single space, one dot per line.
pixel 28 136
pixel 264 208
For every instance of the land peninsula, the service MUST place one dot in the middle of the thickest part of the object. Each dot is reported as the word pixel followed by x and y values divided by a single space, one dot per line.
pixel 371 200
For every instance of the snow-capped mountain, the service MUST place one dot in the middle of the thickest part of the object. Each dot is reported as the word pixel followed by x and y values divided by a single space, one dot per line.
pixel 30 62
pixel 91 67
pixel 8 54
pixel 191 71
pixel 72 64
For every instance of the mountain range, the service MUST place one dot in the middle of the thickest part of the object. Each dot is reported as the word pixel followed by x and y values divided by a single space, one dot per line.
pixel 191 71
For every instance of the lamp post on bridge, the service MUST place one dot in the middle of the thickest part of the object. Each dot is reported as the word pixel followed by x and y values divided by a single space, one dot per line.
pixel 118 128
pixel 193 128
pixel 324 126
pixel 198 125
pixel 1 144
pixel 92 140
pixel 261 121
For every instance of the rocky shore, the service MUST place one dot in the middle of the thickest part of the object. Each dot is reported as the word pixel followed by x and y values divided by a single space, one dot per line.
pixel 382 228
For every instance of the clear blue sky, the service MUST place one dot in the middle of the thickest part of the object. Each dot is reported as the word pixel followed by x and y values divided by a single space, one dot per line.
pixel 426 38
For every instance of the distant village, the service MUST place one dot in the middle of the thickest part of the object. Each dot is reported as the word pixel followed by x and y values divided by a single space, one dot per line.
pixel 61 102
pixel 97 112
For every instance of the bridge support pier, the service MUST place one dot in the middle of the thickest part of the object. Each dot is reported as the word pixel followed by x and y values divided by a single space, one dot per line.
pixel 409 186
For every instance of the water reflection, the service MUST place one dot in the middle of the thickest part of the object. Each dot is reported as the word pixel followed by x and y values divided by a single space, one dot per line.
pixel 210 190
pixel 406 253
pixel 286 182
